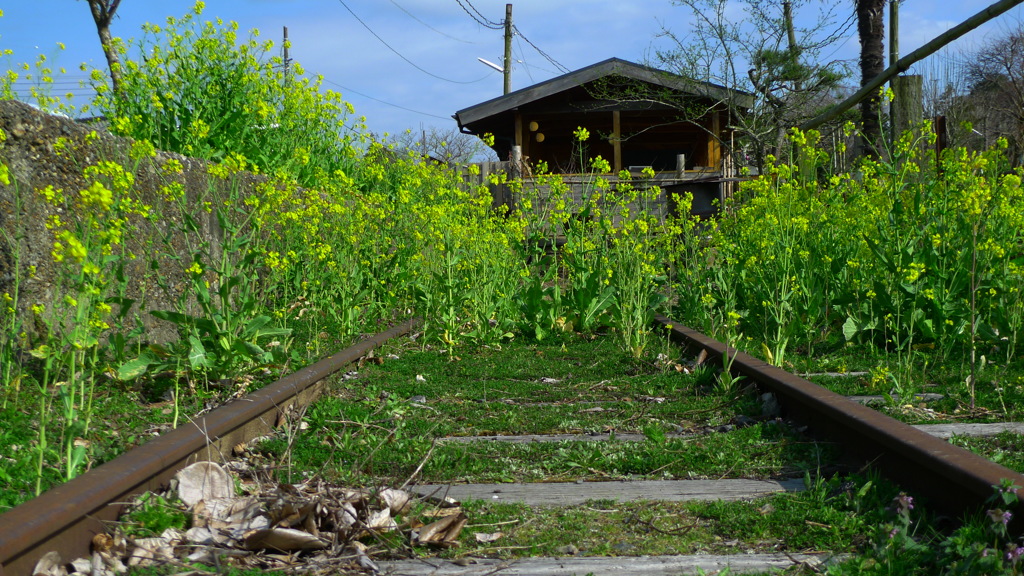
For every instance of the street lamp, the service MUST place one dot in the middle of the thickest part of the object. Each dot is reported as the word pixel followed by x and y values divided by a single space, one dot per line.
pixel 492 65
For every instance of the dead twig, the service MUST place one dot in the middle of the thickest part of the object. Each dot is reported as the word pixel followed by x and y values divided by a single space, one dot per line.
pixel 416 472
pixel 678 531
pixel 359 424
pixel 505 523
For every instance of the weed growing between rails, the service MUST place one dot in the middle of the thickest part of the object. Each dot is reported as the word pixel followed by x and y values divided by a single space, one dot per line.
pixel 980 545
pixel 597 252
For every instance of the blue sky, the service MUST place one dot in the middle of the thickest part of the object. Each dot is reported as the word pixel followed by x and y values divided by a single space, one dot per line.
pixel 411 64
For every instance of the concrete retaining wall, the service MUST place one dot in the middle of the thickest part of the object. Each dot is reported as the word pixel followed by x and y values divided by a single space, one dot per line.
pixel 43 150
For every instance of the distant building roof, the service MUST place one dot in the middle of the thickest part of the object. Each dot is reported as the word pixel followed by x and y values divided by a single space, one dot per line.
pixel 604 69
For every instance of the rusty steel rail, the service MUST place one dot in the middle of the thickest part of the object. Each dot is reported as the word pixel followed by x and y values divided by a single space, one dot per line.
pixel 954 479
pixel 66 518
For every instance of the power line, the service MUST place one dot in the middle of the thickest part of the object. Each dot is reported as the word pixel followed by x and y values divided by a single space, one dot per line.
pixel 399 54
pixel 527 66
pixel 385 102
pixel 522 60
pixel 413 16
pixel 478 17
pixel 539 51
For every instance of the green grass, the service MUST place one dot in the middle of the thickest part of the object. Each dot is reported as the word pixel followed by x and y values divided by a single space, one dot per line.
pixel 998 391
pixel 752 452
pixel 372 430
pixel 122 419
pixel 368 428
pixel 1006 448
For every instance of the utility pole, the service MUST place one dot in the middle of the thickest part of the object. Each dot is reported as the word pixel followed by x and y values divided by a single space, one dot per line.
pixel 287 60
pixel 508 48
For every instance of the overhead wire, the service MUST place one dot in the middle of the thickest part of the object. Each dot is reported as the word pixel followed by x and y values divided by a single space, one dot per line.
pixel 522 59
pixel 400 55
pixel 482 20
pixel 347 89
pixel 539 51
pixel 478 16
pixel 481 14
pixel 413 16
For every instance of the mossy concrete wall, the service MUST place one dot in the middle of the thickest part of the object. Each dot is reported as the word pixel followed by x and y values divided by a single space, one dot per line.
pixel 43 150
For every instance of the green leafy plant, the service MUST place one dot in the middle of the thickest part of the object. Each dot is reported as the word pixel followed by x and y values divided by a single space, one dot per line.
pixel 229 335
pixel 195 88
pixel 151 514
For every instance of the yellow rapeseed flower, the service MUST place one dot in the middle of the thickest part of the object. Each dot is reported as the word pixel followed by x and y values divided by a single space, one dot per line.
pixel 142 149
pixel 52 195
pixel 97 195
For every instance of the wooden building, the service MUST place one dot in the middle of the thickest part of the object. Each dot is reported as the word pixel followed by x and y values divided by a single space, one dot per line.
pixel 637 117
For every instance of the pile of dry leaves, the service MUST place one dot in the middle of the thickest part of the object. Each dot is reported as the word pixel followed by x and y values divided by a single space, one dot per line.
pixel 313 525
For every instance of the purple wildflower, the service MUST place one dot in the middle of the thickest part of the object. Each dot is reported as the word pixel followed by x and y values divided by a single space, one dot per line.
pixel 903 504
pixel 1000 516
pixel 1014 553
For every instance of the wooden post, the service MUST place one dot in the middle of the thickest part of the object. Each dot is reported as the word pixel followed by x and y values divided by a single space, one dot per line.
pixel 516 171
pixel 521 139
pixel 680 166
pixel 714 145
pixel 617 140
pixel 286 58
pixel 907 108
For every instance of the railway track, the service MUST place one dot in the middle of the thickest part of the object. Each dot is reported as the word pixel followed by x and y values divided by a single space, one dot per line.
pixel 957 479
pixel 66 518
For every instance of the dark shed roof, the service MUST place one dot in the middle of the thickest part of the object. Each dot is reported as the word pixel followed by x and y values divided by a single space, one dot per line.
pixel 606 68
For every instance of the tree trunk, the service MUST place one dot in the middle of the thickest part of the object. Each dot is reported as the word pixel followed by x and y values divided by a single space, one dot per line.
pixel 871 30
pixel 102 13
